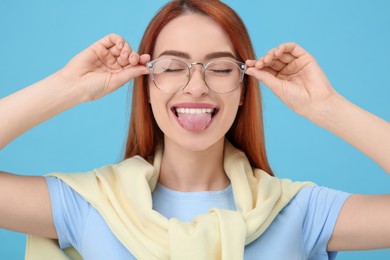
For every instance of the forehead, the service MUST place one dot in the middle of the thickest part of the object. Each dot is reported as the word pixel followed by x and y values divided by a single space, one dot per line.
pixel 195 34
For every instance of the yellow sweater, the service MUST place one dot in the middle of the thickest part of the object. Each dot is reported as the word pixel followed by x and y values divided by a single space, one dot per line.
pixel 122 195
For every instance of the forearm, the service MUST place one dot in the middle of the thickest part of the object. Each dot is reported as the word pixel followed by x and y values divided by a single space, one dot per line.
pixel 35 104
pixel 365 131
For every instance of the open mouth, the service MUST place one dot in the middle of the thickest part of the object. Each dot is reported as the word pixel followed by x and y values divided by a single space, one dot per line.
pixel 195 119
pixel 182 110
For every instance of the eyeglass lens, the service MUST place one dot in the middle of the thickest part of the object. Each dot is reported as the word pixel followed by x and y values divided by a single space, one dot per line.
pixel 221 76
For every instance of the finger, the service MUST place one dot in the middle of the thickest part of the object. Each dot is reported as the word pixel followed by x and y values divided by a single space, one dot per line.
pixel 120 78
pixel 144 58
pixel 128 73
pixel 291 48
pixel 267 69
pixel 277 65
pixel 250 63
pixel 125 52
pixel 270 71
pixel 110 47
pixel 296 65
pixel 267 78
pixel 127 47
pixel 259 63
pixel 138 70
pixel 285 52
pixel 276 61
pixel 267 60
pixel 118 45
pixel 112 40
pixel 116 50
pixel 104 56
pixel 134 58
pixel 269 57
pixel 123 59
pixel 285 57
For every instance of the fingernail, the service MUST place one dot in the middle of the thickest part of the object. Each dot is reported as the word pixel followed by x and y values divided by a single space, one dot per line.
pixel 132 59
pixel 249 62
pixel 248 72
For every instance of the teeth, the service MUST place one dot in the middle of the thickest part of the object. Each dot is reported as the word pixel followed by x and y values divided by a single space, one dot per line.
pixel 194 110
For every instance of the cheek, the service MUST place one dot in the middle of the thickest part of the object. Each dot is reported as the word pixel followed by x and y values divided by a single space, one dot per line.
pixel 158 103
pixel 232 104
pixel 155 102
pixel 237 99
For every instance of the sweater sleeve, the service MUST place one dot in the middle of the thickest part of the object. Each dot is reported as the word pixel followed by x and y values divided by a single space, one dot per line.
pixel 70 212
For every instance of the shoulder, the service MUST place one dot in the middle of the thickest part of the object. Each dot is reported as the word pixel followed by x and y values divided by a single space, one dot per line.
pixel 302 228
pixel 63 197
pixel 319 208
pixel 60 190
pixel 318 197
pixel 70 212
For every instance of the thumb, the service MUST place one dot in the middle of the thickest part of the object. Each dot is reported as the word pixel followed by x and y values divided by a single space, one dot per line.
pixel 267 78
pixel 131 72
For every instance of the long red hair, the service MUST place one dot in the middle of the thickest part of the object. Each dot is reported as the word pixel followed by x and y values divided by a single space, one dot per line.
pixel 247 131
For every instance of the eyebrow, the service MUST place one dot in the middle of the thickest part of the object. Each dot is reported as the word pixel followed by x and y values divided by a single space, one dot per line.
pixel 184 55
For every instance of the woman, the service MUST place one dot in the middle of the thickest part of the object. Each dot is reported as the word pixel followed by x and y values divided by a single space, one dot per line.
pixel 188 125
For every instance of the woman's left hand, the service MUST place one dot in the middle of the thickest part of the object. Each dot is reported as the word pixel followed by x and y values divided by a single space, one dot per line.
pixel 294 76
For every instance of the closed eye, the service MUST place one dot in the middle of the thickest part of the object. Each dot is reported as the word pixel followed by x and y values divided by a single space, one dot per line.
pixel 221 70
pixel 169 70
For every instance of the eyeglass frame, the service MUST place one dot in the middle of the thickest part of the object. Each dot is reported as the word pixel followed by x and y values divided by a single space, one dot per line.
pixel 241 65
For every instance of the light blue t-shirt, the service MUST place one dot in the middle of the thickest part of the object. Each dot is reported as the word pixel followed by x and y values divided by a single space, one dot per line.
pixel 300 231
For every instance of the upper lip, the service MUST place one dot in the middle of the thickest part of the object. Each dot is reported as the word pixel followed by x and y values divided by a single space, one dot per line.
pixel 195 105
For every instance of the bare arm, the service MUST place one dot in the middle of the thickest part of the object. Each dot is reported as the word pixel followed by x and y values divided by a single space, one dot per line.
pixel 35 104
pixel 97 71
pixel 367 132
pixel 363 224
pixel 25 205
pixel 296 78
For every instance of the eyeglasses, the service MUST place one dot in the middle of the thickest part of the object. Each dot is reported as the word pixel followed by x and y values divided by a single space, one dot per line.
pixel 171 74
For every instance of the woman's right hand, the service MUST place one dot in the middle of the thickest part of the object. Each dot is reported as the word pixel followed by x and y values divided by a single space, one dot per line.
pixel 104 67
pixel 95 72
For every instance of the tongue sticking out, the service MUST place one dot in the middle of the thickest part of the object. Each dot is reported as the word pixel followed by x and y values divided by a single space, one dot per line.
pixel 194 122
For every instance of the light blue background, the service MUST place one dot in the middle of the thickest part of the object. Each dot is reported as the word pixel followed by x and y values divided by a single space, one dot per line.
pixel 350 40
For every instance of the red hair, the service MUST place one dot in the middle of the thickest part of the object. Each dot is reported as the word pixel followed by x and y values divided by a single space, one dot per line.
pixel 247 131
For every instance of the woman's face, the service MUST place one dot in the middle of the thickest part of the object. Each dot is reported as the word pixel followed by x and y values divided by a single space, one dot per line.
pixel 194 118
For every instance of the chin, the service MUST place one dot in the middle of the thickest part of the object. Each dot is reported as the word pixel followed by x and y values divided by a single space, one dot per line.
pixel 195 144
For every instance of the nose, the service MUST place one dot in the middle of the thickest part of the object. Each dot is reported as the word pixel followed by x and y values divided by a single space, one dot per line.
pixel 196 86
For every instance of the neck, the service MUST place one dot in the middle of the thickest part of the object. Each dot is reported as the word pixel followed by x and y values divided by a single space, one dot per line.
pixel 186 170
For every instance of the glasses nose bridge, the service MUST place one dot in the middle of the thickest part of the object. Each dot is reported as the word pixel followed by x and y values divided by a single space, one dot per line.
pixel 193 64
pixel 191 67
